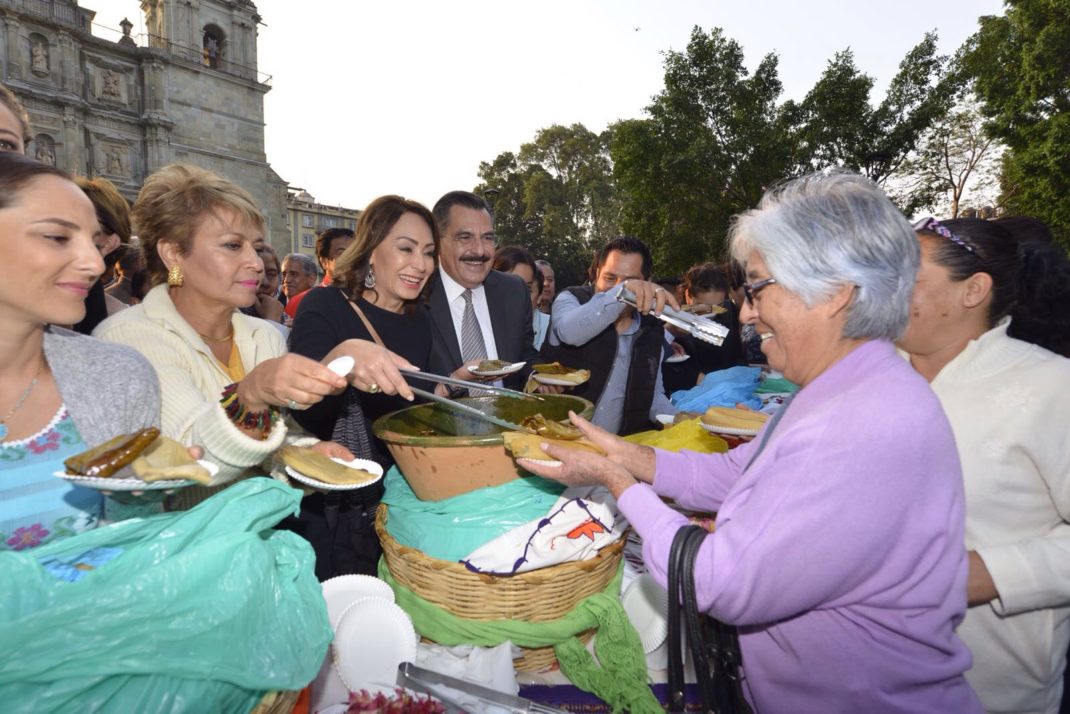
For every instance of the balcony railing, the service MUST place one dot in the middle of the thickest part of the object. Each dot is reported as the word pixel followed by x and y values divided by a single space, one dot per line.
pixel 200 57
pixel 47 9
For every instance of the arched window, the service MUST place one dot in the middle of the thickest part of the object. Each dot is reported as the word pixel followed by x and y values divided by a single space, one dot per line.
pixel 213 45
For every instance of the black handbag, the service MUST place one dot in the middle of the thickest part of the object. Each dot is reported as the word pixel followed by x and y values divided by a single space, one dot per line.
pixel 714 646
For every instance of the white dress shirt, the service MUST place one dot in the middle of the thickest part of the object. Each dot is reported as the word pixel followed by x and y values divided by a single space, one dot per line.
pixel 455 299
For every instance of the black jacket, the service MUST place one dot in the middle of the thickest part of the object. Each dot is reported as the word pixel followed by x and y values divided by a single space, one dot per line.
pixel 510 318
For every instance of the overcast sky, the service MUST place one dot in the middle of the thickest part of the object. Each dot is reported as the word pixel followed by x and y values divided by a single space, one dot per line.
pixel 409 96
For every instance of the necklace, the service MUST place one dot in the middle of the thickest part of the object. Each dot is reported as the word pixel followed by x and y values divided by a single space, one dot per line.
pixel 20 402
pixel 219 340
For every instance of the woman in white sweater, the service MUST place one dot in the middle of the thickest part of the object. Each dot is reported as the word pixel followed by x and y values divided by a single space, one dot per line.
pixel 224 376
pixel 984 308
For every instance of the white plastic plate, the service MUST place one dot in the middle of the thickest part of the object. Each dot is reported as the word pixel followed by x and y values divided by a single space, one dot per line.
pixel 513 367
pixel 373 637
pixel 133 484
pixel 363 464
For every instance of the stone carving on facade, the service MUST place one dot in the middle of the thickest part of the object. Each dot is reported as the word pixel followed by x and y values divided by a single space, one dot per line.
pixel 38 54
pixel 46 149
pixel 114 155
pixel 110 86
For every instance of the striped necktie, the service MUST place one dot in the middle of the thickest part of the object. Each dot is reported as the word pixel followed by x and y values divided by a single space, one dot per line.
pixel 472 346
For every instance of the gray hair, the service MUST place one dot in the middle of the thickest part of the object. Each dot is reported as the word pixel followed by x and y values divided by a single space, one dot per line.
pixel 305 261
pixel 824 230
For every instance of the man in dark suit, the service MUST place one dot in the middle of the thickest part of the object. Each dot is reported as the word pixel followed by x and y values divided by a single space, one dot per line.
pixel 476 313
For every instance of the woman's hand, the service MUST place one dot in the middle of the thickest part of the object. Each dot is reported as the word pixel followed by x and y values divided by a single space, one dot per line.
pixel 581 468
pixel 980 588
pixel 137 498
pixel 376 368
pixel 623 465
pixel 637 460
pixel 651 297
pixel 333 450
pixel 290 378
pixel 269 308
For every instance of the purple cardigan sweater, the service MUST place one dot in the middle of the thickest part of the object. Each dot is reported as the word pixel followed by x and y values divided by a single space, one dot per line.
pixel 838 552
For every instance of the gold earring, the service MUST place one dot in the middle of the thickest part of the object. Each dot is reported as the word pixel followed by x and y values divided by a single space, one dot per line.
pixel 174 276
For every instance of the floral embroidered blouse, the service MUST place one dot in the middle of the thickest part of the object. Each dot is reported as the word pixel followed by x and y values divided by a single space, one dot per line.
pixel 36 507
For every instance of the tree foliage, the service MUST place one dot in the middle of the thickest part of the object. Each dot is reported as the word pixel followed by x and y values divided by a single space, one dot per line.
pixel 1019 64
pixel 956 162
pixel 712 141
pixel 556 197
pixel 839 127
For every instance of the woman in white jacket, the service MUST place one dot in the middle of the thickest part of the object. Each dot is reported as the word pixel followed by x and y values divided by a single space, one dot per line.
pixel 224 376
pixel 985 308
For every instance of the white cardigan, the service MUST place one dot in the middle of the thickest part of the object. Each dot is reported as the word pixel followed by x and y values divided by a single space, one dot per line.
pixel 192 380
pixel 1009 405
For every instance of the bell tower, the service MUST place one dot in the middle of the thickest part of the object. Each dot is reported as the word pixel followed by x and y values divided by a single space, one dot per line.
pixel 222 33
pixel 205 82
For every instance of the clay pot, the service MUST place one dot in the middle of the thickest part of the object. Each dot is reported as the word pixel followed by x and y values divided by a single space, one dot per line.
pixel 443 453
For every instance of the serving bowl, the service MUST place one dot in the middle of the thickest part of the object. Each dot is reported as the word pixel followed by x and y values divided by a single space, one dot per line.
pixel 443 453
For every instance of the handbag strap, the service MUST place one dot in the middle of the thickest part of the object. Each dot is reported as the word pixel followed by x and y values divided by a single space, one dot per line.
pixel 677 557
pixel 714 646
pixel 367 322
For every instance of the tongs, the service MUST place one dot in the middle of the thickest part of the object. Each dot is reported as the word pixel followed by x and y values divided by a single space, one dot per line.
pixel 479 386
pixel 429 682
pixel 698 327
pixel 464 408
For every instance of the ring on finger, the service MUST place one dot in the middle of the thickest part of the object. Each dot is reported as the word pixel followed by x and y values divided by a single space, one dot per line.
pixel 292 405
pixel 373 388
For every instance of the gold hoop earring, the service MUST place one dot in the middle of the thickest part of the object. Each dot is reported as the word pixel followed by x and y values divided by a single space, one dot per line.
pixel 174 276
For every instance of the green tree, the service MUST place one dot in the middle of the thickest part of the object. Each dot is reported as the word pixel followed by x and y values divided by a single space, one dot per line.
pixel 838 126
pixel 556 197
pixel 714 140
pixel 1019 64
pixel 956 162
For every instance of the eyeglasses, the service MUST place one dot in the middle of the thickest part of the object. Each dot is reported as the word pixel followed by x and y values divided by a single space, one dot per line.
pixel 934 226
pixel 751 290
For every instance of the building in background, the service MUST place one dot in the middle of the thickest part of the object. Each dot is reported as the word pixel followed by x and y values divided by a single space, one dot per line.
pixel 306 219
pixel 187 92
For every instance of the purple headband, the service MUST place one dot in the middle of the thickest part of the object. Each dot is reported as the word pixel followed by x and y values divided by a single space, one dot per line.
pixel 934 226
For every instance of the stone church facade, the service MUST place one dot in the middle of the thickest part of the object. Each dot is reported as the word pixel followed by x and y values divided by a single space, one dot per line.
pixel 189 92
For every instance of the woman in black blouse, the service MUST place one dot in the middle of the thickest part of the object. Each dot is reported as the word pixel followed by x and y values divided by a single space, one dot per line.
pixel 378 283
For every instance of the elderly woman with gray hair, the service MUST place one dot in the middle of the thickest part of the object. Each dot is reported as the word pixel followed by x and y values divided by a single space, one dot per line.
pixel 838 549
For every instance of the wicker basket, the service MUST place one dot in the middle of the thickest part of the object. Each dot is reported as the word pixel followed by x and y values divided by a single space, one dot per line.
pixel 537 596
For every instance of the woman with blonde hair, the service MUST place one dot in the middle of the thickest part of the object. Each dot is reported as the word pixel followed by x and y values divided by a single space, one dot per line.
pixel 225 376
